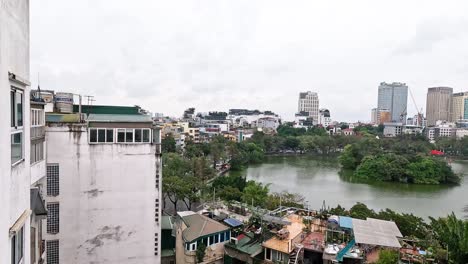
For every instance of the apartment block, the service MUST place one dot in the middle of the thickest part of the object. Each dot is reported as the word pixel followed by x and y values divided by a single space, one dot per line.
pixel 309 102
pixel 103 185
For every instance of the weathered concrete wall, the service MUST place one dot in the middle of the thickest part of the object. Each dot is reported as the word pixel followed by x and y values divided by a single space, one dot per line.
pixel 14 181
pixel 107 199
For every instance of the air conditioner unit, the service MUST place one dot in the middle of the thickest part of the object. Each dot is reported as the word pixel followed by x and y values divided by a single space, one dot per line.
pixel 233 240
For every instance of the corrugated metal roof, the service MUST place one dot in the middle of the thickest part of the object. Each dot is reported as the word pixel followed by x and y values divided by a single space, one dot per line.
pixel 233 222
pixel 376 232
pixel 111 118
pixel 346 222
pixel 62 118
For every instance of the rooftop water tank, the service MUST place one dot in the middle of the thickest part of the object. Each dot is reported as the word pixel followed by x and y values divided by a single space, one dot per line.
pixel 64 102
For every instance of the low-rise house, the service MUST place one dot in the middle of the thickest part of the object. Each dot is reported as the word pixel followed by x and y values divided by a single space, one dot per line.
pixel 246 248
pixel 192 230
pixel 279 248
pixel 348 132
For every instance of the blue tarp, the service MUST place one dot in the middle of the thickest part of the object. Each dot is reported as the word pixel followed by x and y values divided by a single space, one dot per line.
pixel 232 222
pixel 346 222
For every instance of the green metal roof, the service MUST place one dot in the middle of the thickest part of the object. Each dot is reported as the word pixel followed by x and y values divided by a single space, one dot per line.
pixel 62 118
pixel 111 118
pixel 107 109
pixel 247 244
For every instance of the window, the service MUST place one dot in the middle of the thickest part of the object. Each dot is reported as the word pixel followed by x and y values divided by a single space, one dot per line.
pixel 221 237
pixel 101 135
pixel 53 220
pixel 52 252
pixel 53 179
pixel 16 104
pixel 37 152
pixel 17 246
pixel 37 117
pixel 16 146
pixel 130 135
pixel 121 135
pixel 279 256
pixel 216 239
pixel 268 254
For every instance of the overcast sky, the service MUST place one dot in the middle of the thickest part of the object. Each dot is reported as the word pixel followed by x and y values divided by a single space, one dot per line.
pixel 167 56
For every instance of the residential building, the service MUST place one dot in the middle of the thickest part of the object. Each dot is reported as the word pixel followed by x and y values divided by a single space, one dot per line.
pixel 309 102
pixel 193 229
pixel 268 123
pixel 17 224
pixel 324 117
pixel 393 97
pixel 348 132
pixel 38 173
pixel 103 186
pixel 244 118
pixel 442 129
pixel 393 129
pixel 459 106
pixel 439 105
pixel 461 133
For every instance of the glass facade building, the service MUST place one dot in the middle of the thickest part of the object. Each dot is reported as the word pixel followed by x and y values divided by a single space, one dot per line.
pixel 394 97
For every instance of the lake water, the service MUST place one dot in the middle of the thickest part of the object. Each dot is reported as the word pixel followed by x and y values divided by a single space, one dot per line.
pixel 319 179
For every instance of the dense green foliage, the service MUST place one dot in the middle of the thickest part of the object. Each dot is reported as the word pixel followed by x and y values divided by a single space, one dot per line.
pixel 402 159
pixel 200 253
pixel 453 146
pixel 168 144
pixel 452 234
pixel 388 257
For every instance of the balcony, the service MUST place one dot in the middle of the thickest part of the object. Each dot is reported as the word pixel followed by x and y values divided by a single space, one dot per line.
pixel 37 132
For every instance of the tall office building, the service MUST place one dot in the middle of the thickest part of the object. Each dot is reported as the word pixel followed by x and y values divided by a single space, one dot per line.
pixel 439 105
pixel 459 106
pixel 309 102
pixel 393 97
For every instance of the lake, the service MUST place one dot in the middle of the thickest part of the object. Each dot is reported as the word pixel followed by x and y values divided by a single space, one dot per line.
pixel 319 179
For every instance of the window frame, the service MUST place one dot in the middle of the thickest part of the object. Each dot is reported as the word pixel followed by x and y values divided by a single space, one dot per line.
pixel 105 135
pixel 14 122
pixel 37 150
pixel 17 246
pixel 145 132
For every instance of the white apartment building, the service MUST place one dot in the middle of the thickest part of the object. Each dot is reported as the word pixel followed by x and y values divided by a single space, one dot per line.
pixel 103 188
pixel 324 117
pixel 19 232
pixel 309 102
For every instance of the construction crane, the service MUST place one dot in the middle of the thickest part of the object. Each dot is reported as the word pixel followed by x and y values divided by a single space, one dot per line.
pixel 420 116
pixel 404 113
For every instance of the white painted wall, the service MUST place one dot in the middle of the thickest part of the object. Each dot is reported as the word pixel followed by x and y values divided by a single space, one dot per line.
pixel 14 181
pixel 107 199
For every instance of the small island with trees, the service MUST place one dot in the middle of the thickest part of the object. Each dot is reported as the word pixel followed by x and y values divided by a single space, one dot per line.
pixel 405 160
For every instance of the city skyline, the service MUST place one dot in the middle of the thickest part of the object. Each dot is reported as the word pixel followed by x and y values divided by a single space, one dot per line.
pixel 230 58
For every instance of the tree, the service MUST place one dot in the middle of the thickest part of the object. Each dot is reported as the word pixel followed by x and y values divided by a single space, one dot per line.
pixel 387 256
pixel 255 193
pixel 200 253
pixel 168 144
pixel 360 211
pixel 452 233
pixel 217 150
